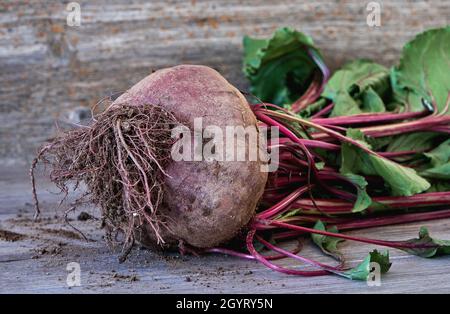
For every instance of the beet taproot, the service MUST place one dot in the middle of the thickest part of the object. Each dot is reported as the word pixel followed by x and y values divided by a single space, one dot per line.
pixel 155 200
pixel 205 203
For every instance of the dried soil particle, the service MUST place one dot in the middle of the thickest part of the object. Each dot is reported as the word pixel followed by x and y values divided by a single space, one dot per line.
pixel 29 221
pixel 53 250
pixel 121 277
pixel 83 216
pixel 62 233
pixel 11 236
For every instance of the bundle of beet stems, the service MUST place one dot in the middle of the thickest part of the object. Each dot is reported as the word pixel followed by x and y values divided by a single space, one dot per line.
pixel 365 147
pixel 315 191
pixel 292 209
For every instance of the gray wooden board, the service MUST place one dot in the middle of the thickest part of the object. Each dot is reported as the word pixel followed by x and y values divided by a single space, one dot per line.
pixel 48 68
pixel 36 262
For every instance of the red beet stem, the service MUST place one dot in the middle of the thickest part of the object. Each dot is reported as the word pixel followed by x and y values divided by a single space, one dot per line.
pixel 393 244
pixel 262 259
pixel 323 111
pixel 366 118
pixel 392 220
pixel 336 206
pixel 344 224
pixel 277 208
pixel 298 257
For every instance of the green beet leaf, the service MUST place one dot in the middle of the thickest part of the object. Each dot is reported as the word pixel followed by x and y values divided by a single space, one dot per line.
pixel 371 101
pixel 327 244
pixel 439 162
pixel 423 71
pixel 363 200
pixel 422 77
pixel 280 68
pixel 434 247
pixel 418 141
pixel 357 87
pixel 440 155
pixel 439 186
pixel 402 181
pixel 439 172
pixel 363 270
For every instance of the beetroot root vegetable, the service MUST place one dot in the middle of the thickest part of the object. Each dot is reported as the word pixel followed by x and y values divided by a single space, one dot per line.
pixel 124 159
pixel 206 203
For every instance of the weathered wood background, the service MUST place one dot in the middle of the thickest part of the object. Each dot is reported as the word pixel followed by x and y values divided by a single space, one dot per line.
pixel 48 68
pixel 34 257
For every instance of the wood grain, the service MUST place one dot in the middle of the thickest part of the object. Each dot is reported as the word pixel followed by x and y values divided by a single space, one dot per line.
pixel 37 262
pixel 48 68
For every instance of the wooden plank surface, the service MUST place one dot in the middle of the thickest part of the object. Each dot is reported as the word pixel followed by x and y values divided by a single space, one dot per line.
pixel 48 68
pixel 34 257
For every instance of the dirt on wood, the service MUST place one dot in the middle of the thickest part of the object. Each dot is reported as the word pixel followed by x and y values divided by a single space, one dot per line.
pixel 10 236
pixel 61 232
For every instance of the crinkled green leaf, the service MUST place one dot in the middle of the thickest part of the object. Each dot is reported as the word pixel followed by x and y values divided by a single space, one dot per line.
pixel 440 155
pixel 363 199
pixel 313 108
pixel 422 75
pixel 363 270
pixel 327 244
pixel 418 141
pixel 441 172
pixel 356 76
pixel 357 87
pixel 437 247
pixel 402 181
pixel 371 101
pixel 345 105
pixel 280 68
pixel 423 71
pixel 439 165
pixel 439 186
pixel 320 165
pixel 379 143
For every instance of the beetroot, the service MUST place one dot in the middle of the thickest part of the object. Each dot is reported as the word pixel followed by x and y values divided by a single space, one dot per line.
pixel 205 203
pixel 124 158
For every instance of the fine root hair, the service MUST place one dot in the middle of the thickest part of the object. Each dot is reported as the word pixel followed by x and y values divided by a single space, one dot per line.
pixel 121 158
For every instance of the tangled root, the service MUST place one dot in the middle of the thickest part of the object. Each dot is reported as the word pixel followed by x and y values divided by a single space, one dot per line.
pixel 121 159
